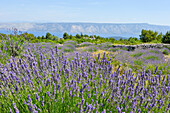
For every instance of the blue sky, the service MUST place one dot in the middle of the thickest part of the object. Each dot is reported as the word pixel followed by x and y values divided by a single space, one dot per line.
pixel 97 11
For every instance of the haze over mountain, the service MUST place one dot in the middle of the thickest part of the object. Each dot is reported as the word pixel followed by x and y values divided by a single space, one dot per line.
pixel 105 29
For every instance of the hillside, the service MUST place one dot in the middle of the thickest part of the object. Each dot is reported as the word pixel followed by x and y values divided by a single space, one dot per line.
pixel 108 29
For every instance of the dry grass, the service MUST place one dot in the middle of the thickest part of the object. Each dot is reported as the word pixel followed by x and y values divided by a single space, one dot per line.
pixel 167 57
pixel 101 52
pixel 80 48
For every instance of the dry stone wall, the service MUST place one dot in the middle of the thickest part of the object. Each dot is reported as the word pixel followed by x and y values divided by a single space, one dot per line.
pixel 141 46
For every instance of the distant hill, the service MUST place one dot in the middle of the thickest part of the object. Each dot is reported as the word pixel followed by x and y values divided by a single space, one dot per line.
pixel 103 29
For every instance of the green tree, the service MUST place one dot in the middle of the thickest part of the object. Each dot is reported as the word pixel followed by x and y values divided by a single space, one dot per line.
pixel 48 36
pixel 112 40
pixel 43 37
pixel 71 37
pixel 166 38
pixel 78 36
pixel 82 35
pixel 148 36
pixel 159 37
pixel 98 38
pixel 38 37
pixel 120 39
pixel 66 36
pixel 55 38
pixel 86 35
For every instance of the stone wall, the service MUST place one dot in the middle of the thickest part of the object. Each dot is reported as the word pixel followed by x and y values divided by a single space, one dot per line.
pixel 141 46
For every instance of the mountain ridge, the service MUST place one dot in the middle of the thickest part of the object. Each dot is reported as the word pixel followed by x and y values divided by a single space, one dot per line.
pixel 119 29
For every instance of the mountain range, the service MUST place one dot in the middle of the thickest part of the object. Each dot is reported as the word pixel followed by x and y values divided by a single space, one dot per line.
pixel 104 29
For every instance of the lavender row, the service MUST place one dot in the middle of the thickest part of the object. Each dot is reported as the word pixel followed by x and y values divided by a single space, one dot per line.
pixel 52 83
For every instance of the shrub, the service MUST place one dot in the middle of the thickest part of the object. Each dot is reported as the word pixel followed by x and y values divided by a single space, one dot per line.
pixel 165 52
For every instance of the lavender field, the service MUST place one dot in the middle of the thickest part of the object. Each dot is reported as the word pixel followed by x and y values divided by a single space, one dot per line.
pixel 46 77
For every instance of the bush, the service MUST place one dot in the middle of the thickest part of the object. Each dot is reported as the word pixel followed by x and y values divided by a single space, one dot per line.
pixel 35 41
pixel 165 52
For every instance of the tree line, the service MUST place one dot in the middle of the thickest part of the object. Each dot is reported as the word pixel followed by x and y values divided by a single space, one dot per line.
pixel 149 36
pixel 145 37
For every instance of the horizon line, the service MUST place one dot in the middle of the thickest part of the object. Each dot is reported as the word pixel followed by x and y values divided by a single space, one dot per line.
pixel 80 23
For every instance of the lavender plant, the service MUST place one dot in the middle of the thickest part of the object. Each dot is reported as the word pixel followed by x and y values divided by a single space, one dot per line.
pixel 11 46
pixel 46 81
pixel 53 83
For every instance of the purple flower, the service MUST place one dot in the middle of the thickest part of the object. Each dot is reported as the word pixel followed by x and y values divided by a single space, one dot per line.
pixel 89 95
pixel 37 97
pixel 82 101
pixel 101 104
pixel 61 99
pixel 85 86
pixel 10 110
pixel 48 93
pixel 42 103
pixel 15 107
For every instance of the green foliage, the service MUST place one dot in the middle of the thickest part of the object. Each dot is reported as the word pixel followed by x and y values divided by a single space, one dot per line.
pixel 133 40
pixel 48 36
pixel 91 49
pixel 59 47
pixel 130 41
pixel 55 38
pixel 78 36
pixel 166 38
pixel 85 44
pixel 70 46
pixel 154 51
pixel 28 36
pixel 167 47
pixel 137 54
pixel 68 50
pixel 66 36
pixel 124 48
pixel 12 45
pixel 151 57
pixel 43 37
pixel 39 37
pixel 35 41
pixel 2 36
pixel 165 52
pixel 137 62
pixel 61 41
pixel 71 37
pixel 148 36
pixel 70 42
pixel 116 49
